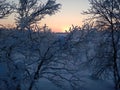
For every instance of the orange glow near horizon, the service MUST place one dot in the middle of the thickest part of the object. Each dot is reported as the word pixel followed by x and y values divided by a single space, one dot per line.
pixel 66 28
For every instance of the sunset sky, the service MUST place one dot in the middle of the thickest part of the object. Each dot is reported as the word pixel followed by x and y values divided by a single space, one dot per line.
pixel 68 15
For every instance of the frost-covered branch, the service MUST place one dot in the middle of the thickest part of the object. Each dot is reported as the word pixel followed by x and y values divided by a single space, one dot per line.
pixel 5 8
pixel 32 11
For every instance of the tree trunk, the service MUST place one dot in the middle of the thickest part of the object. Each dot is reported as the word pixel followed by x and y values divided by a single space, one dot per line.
pixel 36 75
pixel 115 66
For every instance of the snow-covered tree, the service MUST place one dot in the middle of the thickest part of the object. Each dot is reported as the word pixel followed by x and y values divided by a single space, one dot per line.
pixel 106 13
pixel 5 8
pixel 32 11
pixel 26 57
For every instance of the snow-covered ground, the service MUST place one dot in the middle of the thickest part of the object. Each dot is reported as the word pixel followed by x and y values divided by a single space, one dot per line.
pixel 44 84
pixel 89 84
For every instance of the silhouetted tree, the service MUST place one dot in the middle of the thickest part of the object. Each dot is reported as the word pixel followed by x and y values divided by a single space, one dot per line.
pixel 106 13
pixel 32 11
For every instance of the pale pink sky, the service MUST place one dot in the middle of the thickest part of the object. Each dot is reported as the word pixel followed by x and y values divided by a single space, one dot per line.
pixel 70 14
